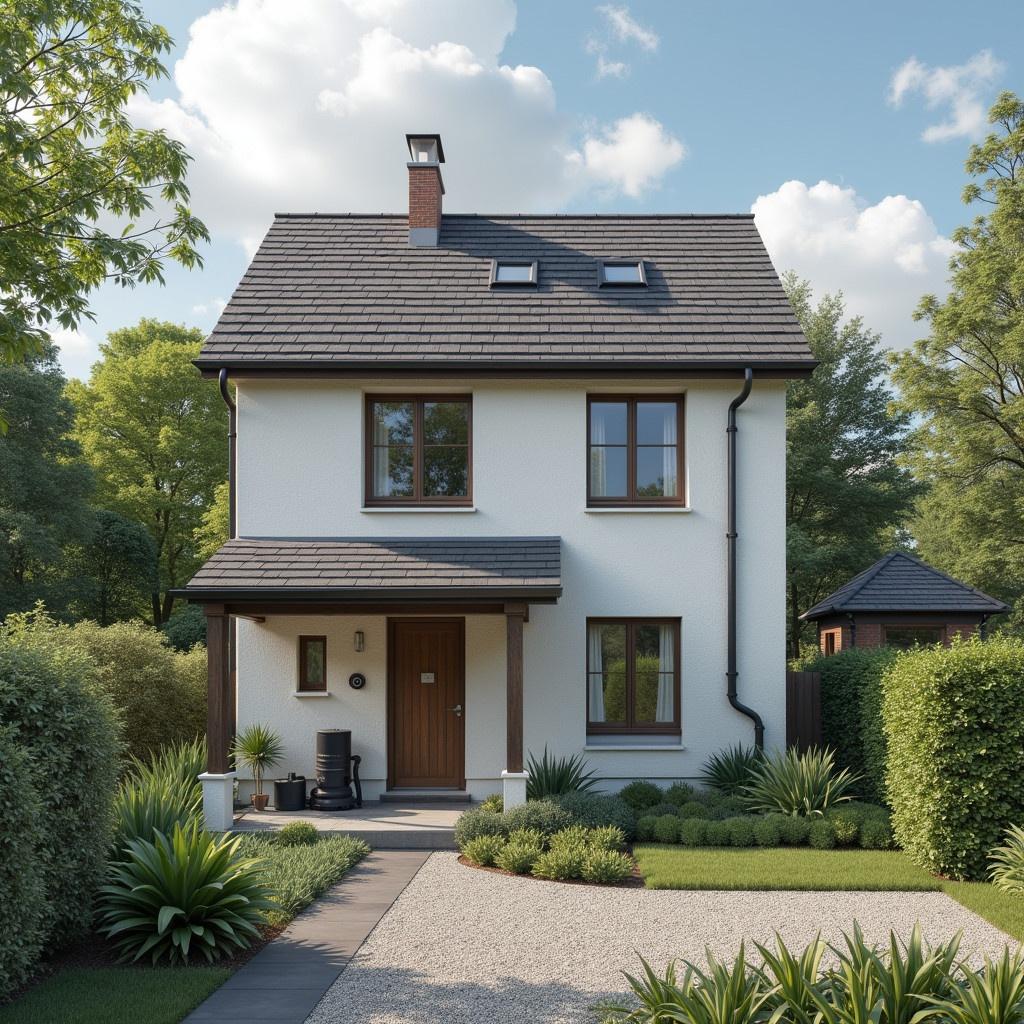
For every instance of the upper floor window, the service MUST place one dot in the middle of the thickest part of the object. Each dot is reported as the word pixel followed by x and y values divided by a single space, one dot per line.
pixel 635 448
pixel 623 272
pixel 418 450
pixel 514 272
pixel 633 676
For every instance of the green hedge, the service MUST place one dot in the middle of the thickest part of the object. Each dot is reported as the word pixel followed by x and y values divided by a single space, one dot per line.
pixel 954 722
pixel 851 724
pixel 67 728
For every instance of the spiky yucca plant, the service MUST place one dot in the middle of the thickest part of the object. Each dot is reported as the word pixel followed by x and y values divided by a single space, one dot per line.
pixel 140 811
pixel 176 767
pixel 553 776
pixel 181 897
pixel 805 785
pixel 1007 870
pixel 731 769
pixel 258 747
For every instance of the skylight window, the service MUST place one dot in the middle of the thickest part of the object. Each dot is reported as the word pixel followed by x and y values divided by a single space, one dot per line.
pixel 513 272
pixel 623 273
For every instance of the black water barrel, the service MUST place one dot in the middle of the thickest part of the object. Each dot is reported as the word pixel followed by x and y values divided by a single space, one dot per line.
pixel 290 793
pixel 333 758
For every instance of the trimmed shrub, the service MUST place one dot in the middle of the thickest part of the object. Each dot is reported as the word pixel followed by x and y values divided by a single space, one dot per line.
pixel 694 809
pixel 563 861
pixel 725 806
pixel 596 810
pixel 607 838
pixel 641 794
pixel 476 822
pixel 484 850
pixel 546 816
pixel 846 828
pixel 718 833
pixel 768 831
pixel 658 810
pixel 954 722
pixel 494 802
pixel 22 875
pixel 741 831
pixel 851 720
pixel 518 857
pixel 666 828
pixel 794 831
pixel 645 828
pixel 606 866
pixel 680 793
pixel 822 835
pixel 67 728
pixel 693 831
pixel 298 833
pixel 876 834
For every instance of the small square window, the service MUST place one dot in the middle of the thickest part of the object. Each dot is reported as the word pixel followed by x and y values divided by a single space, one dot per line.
pixel 623 273
pixel 312 664
pixel 513 272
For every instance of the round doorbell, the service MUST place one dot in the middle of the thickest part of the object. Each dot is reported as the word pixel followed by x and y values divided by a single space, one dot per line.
pixel 357 680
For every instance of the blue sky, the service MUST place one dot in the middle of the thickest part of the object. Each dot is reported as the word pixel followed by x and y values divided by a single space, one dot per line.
pixel 700 107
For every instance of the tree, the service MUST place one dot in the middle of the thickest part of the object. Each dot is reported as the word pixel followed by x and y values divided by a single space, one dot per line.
pixel 78 182
pixel 153 432
pixel 965 381
pixel 845 491
pixel 113 571
pixel 43 484
pixel 213 531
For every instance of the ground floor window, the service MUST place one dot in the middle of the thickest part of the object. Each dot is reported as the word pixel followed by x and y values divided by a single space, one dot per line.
pixel 312 663
pixel 905 637
pixel 632 676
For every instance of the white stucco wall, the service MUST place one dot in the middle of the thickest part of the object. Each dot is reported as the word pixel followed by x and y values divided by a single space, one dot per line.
pixel 300 474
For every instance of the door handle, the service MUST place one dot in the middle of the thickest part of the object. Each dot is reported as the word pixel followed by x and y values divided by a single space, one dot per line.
pixel 457 709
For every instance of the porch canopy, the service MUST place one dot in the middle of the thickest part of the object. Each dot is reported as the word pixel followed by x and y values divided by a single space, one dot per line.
pixel 254 577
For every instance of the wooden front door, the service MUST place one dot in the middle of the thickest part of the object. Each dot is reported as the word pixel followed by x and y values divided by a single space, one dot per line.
pixel 426 708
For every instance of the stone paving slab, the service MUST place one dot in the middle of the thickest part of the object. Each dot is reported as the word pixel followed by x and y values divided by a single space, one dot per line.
pixel 288 977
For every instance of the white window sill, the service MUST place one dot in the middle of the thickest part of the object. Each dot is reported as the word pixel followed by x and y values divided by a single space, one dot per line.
pixel 373 509
pixel 315 694
pixel 662 747
pixel 639 509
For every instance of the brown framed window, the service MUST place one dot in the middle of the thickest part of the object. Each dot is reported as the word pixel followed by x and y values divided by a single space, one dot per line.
pixel 419 450
pixel 905 637
pixel 634 450
pixel 312 663
pixel 829 641
pixel 633 676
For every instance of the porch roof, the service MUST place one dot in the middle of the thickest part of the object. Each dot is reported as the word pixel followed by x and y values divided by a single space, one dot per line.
pixel 381 569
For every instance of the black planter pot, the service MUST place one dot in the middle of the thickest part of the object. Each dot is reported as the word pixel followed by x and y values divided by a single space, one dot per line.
pixel 290 793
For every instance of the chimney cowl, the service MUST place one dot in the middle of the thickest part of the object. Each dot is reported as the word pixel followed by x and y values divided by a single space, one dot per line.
pixel 426 188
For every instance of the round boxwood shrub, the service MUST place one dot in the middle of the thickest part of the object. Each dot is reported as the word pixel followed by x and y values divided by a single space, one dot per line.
pixel 846 827
pixel 794 831
pixel 680 793
pixel 822 835
pixel 641 794
pixel 298 833
pixel 718 833
pixel 666 828
pixel 741 831
pixel 693 831
pixel 876 834
pixel 597 810
pixel 658 810
pixel 68 729
pixel 768 831
pixel 645 828
pixel 22 876
pixel 954 722
pixel 476 822
pixel 694 809
pixel 546 816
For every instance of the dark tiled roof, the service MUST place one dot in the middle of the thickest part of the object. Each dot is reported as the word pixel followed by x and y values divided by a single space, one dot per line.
pixel 901 583
pixel 349 291
pixel 382 568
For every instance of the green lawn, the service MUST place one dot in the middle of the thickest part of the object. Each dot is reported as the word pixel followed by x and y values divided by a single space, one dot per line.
pixel 116 995
pixel 676 867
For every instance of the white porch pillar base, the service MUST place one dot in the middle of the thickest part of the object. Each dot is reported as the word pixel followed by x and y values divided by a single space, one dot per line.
pixel 513 786
pixel 218 800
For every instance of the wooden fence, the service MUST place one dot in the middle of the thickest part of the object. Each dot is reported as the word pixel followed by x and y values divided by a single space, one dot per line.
pixel 803 710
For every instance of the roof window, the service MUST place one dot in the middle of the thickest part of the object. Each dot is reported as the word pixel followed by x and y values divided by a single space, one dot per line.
pixel 623 273
pixel 513 272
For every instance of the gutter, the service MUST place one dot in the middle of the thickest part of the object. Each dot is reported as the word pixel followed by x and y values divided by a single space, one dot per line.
pixel 731 672
pixel 222 379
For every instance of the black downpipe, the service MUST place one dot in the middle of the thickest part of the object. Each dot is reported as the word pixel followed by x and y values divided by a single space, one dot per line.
pixel 731 671
pixel 222 379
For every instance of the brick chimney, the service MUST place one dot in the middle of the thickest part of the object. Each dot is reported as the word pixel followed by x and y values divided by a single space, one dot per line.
pixel 425 188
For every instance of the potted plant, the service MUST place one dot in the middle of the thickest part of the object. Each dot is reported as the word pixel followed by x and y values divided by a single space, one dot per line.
pixel 258 748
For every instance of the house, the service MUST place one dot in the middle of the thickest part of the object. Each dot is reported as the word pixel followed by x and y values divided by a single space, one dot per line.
pixel 501 483
pixel 900 602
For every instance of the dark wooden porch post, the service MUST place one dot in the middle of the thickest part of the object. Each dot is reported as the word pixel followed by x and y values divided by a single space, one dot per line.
pixel 220 712
pixel 515 616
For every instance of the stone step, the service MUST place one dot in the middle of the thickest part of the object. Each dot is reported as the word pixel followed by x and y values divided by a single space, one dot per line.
pixel 425 796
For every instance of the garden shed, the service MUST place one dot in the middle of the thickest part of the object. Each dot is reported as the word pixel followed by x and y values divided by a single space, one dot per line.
pixel 900 602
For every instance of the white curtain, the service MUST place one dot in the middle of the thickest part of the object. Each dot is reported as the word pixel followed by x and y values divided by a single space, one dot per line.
pixel 595 680
pixel 664 711
pixel 598 461
pixel 381 476
pixel 669 462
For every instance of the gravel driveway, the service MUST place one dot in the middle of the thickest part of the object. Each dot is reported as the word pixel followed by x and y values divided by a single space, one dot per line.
pixel 463 946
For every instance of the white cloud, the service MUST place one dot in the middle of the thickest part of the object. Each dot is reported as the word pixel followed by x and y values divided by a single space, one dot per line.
pixel 958 88
pixel 606 68
pixel 883 257
pixel 626 28
pixel 78 351
pixel 304 106
pixel 630 156
pixel 210 309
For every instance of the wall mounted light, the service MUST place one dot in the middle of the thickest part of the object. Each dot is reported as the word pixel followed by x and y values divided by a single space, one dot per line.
pixel 359 640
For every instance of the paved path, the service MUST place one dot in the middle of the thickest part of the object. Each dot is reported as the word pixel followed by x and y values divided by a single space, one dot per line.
pixel 463 946
pixel 287 978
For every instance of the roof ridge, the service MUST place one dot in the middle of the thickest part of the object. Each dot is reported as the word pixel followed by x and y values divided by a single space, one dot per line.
pixel 530 216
